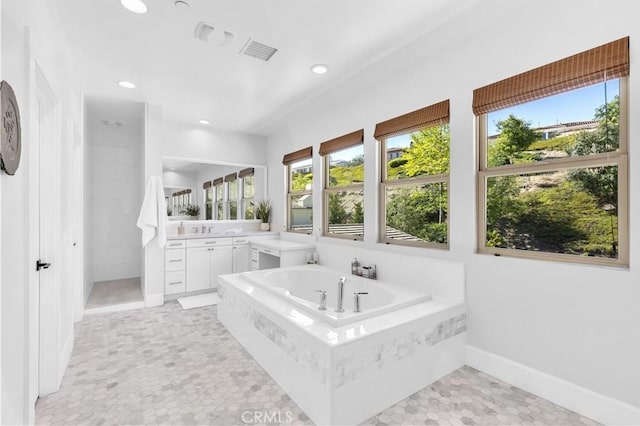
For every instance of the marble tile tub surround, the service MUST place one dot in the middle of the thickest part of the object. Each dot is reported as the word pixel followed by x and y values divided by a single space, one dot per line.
pixel 138 367
pixel 357 369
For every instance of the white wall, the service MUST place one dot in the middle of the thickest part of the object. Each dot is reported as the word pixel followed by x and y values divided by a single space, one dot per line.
pixel 179 180
pixel 31 35
pixel 577 323
pixel 168 139
pixel 115 195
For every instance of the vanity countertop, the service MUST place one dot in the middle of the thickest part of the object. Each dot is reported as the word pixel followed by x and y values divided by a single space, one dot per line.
pixel 282 245
pixel 221 235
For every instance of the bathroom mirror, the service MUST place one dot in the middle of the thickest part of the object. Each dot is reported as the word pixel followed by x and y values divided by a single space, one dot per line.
pixel 197 190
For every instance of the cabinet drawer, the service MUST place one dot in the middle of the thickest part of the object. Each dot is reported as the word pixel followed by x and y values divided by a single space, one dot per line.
pixel 209 242
pixel 254 266
pixel 175 244
pixel 174 282
pixel 174 260
pixel 270 251
pixel 254 253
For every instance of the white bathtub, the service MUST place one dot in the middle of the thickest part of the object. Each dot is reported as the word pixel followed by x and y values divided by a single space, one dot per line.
pixel 342 368
pixel 298 285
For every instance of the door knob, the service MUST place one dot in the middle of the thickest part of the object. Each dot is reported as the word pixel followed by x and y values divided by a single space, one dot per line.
pixel 42 265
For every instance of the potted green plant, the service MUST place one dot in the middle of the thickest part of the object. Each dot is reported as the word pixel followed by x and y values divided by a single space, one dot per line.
pixel 192 210
pixel 263 212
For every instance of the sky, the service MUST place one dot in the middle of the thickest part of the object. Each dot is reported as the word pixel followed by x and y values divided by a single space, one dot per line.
pixel 576 105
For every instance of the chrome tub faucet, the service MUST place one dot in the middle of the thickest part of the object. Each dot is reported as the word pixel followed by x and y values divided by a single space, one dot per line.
pixel 341 283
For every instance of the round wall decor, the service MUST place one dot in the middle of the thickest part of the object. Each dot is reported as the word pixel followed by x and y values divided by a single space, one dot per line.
pixel 10 143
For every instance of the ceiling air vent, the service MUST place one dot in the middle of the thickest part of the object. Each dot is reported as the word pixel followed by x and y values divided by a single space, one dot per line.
pixel 203 31
pixel 258 50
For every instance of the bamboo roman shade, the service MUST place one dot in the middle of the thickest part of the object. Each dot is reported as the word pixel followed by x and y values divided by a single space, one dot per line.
pixel 245 172
pixel 206 185
pixel 424 117
pixel 342 142
pixel 217 181
pixel 301 154
pixel 230 177
pixel 596 65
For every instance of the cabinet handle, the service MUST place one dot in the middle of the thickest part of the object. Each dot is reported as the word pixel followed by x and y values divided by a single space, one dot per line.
pixel 175 282
pixel 175 260
pixel 210 242
pixel 175 245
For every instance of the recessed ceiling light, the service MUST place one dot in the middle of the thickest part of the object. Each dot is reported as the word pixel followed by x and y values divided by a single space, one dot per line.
pixel 135 6
pixel 126 84
pixel 319 68
pixel 204 122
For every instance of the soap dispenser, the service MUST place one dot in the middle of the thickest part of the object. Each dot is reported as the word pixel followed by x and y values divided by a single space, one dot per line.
pixel 355 267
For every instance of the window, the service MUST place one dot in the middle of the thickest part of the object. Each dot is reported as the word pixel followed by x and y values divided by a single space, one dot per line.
pixel 553 160
pixel 208 200
pixel 218 206
pixel 179 202
pixel 232 196
pixel 248 192
pixel 343 211
pixel 299 167
pixel 415 177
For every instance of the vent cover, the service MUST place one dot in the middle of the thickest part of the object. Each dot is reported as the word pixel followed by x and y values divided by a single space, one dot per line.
pixel 258 50
pixel 203 31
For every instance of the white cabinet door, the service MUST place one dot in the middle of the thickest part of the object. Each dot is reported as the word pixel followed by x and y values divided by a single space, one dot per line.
pixel 198 268
pixel 221 263
pixel 240 258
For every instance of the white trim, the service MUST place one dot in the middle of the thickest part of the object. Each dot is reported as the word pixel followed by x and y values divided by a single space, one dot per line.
pixel 151 300
pixel 115 308
pixel 65 354
pixel 600 408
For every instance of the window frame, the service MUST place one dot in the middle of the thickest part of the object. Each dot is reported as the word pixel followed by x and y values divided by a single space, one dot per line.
pixel 618 158
pixel 327 190
pixel 218 188
pixel 291 194
pixel 244 200
pixel 411 181
pixel 208 204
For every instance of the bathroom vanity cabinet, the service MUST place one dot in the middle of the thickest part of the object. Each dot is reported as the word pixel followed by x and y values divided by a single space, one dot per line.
pixel 174 267
pixel 194 264
pixel 206 259
pixel 278 254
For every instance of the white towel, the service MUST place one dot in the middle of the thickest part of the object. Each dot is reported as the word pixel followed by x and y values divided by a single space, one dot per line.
pixel 153 214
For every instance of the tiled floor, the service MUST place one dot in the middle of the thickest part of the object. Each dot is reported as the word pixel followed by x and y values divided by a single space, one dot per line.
pixel 115 292
pixel 170 366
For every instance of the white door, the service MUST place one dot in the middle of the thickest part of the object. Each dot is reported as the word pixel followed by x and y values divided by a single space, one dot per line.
pixel 240 258
pixel 221 263
pixel 198 267
pixel 44 305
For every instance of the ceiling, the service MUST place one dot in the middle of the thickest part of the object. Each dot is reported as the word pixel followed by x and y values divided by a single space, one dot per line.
pixel 192 79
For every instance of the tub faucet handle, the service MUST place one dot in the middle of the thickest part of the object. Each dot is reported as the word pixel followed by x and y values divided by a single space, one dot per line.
pixel 356 301
pixel 323 300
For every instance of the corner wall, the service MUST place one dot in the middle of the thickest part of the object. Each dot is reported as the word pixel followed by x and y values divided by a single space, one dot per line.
pixel 30 35
pixel 576 323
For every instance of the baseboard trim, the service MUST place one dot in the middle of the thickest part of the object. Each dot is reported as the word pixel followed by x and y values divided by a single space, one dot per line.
pixel 151 300
pixel 114 308
pixel 588 403
pixel 65 356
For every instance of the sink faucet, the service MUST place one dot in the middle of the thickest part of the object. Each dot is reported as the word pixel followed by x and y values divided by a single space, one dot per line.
pixel 204 229
pixel 341 282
